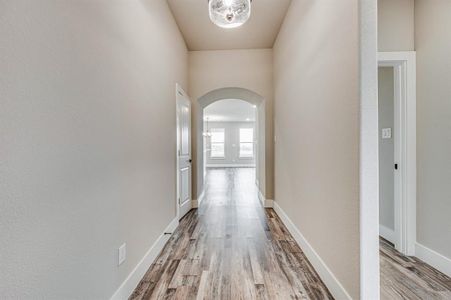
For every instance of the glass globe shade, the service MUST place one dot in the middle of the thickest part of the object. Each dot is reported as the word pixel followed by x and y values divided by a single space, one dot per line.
pixel 229 13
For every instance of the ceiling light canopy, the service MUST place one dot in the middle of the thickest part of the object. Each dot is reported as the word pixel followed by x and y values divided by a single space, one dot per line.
pixel 229 13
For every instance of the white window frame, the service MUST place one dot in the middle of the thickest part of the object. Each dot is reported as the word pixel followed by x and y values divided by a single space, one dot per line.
pixel 223 143
pixel 251 142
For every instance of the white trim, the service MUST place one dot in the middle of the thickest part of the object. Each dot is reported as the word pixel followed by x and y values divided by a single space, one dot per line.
pixel 368 153
pixel 404 64
pixel 230 166
pixel 433 258
pixel 128 286
pixel 329 279
pixel 266 203
pixel 177 146
pixel 233 121
pixel 180 92
pixel 269 203
pixel 387 233
pixel 261 197
pixel 221 94
pixel 198 201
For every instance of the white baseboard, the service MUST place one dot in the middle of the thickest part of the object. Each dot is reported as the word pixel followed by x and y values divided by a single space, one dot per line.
pixel 230 166
pixel 329 279
pixel 387 233
pixel 196 202
pixel 433 258
pixel 261 197
pixel 267 203
pixel 130 283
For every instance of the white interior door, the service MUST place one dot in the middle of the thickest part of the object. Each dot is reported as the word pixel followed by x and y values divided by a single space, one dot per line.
pixel 184 169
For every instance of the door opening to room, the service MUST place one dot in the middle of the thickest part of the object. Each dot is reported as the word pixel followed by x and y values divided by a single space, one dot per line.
pixel 230 147
pixel 229 134
pixel 231 139
pixel 397 180
pixel 397 150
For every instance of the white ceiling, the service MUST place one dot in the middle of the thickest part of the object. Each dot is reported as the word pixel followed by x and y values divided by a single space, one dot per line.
pixel 230 110
pixel 201 34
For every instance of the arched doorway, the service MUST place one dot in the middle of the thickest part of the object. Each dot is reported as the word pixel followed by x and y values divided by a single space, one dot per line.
pixel 260 130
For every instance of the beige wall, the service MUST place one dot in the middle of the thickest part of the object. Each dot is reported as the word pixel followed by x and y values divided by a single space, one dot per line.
pixel 249 69
pixel 87 134
pixel 433 45
pixel 386 148
pixel 316 72
pixel 396 25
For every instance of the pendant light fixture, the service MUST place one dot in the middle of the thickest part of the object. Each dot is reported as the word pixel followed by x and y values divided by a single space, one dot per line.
pixel 229 13
pixel 207 133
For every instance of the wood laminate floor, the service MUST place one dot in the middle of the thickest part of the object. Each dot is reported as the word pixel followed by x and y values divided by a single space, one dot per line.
pixel 405 277
pixel 231 248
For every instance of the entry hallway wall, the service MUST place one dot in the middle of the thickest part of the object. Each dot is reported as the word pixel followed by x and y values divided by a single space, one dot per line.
pixel 317 106
pixel 396 25
pixel 249 69
pixel 87 135
pixel 433 46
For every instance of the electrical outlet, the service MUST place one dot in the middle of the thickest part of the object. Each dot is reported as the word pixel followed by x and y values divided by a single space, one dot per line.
pixel 386 133
pixel 122 254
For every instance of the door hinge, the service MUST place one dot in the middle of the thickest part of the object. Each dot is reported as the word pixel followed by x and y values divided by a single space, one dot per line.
pixel 396 166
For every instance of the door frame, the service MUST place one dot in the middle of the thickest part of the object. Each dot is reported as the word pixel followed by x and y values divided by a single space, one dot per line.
pixel 180 92
pixel 261 167
pixel 404 66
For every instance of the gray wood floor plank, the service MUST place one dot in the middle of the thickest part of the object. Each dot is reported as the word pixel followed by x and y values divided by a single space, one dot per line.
pixel 231 248
pixel 405 277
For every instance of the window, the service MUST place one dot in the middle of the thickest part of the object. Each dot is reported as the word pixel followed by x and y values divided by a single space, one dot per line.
pixel 217 140
pixel 246 142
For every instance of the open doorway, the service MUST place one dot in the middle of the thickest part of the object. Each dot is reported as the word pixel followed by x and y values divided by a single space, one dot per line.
pixel 230 143
pixel 397 150
pixel 397 180
pixel 230 133
pixel 387 163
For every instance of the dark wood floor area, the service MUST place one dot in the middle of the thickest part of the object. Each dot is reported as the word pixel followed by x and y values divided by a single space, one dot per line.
pixel 231 248
pixel 409 278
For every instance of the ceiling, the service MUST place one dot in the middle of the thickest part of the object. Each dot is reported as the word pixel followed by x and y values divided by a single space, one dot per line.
pixel 201 34
pixel 230 110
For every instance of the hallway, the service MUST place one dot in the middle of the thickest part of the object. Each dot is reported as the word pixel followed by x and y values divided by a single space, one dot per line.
pixel 323 125
pixel 231 248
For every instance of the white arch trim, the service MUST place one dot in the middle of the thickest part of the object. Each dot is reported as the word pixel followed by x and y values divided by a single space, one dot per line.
pixel 231 93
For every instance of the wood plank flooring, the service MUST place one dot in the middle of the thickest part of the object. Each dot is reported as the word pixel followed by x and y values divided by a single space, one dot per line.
pixel 231 248
pixel 410 278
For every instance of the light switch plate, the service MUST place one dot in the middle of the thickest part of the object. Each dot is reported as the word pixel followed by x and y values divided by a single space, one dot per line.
pixel 386 133
pixel 122 254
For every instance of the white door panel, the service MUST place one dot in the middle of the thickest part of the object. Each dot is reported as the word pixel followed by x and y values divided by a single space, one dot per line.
pixel 185 181
pixel 184 169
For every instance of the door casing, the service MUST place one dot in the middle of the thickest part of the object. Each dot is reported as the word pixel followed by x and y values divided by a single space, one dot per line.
pixel 183 160
pixel 404 65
